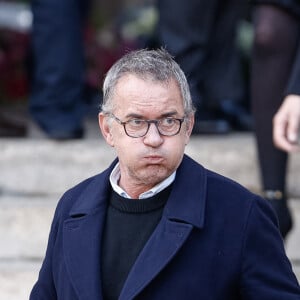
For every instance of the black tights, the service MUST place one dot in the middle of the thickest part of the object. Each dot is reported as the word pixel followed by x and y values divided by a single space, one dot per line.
pixel 275 44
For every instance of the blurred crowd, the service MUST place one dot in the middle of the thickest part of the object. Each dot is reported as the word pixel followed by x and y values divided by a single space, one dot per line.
pixel 241 59
pixel 212 46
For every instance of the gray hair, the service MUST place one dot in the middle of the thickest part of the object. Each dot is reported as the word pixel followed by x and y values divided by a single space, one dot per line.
pixel 157 65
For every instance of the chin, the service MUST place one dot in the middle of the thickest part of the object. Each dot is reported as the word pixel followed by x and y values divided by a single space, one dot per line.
pixel 155 174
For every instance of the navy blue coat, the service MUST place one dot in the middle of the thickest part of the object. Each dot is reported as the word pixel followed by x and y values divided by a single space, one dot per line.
pixel 216 240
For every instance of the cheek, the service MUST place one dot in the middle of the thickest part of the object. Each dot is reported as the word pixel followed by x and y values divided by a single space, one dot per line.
pixel 175 150
pixel 126 149
pixel 118 137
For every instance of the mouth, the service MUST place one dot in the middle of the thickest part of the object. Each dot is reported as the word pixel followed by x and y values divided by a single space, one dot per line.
pixel 154 159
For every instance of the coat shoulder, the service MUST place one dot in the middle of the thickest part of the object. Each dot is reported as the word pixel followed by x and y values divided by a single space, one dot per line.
pixel 227 195
pixel 222 185
pixel 72 197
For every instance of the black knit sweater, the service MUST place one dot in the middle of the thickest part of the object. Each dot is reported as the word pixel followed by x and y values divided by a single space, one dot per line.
pixel 129 224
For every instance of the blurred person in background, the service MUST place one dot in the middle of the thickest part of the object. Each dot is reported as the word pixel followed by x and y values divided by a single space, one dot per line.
pixel 201 35
pixel 274 76
pixel 56 102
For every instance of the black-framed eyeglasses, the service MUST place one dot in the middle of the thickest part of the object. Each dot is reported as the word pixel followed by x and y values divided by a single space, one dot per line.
pixel 136 128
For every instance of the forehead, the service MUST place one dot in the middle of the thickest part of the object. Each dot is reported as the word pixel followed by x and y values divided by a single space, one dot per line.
pixel 147 95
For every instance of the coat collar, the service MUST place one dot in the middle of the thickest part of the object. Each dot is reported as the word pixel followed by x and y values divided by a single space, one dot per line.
pixel 187 199
pixel 94 195
pixel 186 202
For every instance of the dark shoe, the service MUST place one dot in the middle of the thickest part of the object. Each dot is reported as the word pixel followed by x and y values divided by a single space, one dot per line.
pixel 61 135
pixel 239 118
pixel 211 127
pixel 283 213
pixel 9 128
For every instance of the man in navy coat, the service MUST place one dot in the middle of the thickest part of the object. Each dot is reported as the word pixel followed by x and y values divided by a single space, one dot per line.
pixel 156 224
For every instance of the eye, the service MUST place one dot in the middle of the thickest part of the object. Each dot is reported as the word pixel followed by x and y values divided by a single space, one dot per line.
pixel 136 123
pixel 168 122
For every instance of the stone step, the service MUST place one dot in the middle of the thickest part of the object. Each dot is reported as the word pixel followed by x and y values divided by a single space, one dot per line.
pixel 17 278
pixel 24 226
pixel 40 166
pixel 43 167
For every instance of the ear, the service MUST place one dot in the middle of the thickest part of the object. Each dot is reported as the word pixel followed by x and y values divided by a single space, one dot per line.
pixel 105 128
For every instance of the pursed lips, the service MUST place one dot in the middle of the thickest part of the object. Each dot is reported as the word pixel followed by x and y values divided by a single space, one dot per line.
pixel 154 159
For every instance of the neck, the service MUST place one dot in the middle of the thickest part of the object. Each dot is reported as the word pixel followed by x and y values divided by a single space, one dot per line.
pixel 134 190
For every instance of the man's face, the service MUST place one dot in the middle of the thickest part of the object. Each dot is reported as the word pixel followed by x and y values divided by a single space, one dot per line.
pixel 145 161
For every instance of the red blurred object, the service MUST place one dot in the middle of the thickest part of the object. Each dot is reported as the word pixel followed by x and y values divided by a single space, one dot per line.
pixel 13 69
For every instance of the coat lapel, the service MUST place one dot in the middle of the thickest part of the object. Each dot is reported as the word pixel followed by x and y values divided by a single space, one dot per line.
pixel 82 252
pixel 167 239
pixel 183 212
pixel 82 234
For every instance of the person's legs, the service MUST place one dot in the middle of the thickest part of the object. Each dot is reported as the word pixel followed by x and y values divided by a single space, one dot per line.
pixel 276 35
pixel 185 30
pixel 222 66
pixel 224 84
pixel 56 102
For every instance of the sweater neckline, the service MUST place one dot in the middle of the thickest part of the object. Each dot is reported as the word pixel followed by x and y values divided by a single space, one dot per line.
pixel 126 205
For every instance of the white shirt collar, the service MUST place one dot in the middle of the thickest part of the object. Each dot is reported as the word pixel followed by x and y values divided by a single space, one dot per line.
pixel 115 176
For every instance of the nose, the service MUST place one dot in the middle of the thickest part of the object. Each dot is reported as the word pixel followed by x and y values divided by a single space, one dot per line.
pixel 153 137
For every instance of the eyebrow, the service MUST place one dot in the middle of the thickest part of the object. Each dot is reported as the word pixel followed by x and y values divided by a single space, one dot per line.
pixel 164 115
